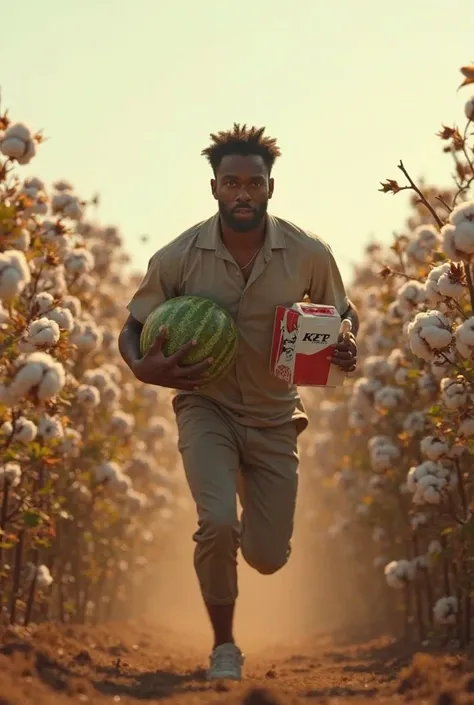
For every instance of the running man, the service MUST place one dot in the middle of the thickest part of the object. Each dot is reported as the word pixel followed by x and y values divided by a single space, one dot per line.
pixel 238 436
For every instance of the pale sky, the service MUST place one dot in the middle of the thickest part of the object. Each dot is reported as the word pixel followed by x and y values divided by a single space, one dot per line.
pixel 128 93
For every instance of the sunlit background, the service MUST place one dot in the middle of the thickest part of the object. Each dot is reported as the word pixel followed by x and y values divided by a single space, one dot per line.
pixel 127 94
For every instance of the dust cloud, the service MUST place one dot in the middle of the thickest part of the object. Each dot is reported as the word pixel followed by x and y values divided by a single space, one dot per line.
pixel 271 610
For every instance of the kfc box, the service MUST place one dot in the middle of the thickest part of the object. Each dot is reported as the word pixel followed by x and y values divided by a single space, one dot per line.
pixel 303 340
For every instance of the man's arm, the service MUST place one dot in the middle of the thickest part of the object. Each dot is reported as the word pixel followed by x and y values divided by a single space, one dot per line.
pixel 129 340
pixel 159 284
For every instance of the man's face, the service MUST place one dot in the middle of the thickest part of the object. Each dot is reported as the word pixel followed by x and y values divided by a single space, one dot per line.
pixel 242 188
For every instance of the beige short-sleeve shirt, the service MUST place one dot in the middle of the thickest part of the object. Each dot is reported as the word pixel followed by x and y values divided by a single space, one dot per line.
pixel 292 264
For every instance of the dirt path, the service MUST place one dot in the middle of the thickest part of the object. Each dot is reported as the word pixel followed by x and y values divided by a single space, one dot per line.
pixel 127 664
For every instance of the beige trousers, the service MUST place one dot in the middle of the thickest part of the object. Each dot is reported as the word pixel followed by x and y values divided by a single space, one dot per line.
pixel 221 459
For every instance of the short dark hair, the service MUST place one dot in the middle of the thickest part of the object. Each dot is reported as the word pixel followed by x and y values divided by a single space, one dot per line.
pixel 244 141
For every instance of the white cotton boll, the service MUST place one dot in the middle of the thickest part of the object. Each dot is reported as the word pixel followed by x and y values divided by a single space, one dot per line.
pixel 426 240
pixel 53 280
pixel 122 423
pixel 395 313
pixel 65 204
pixel 429 333
pixel 70 444
pixel 462 213
pixel 25 430
pixel 428 236
pixel 458 233
pixel 128 391
pixel 62 317
pixel 98 377
pixel 465 338
pixel 50 428
pixel 111 394
pixel 109 337
pixel 113 372
pixel 417 253
pixel 399 573
pixel 120 482
pixel 445 610
pixel 469 109
pixel 43 333
pixel 418 520
pixel 383 453
pixel 17 143
pixel 454 392
pixel 434 548
pixel 428 467
pixel 107 471
pixel 135 501
pixel 143 465
pixel 79 261
pixel 63 185
pixel 432 291
pixel 158 427
pixel 11 473
pixel 388 397
pixel 42 303
pixel 88 396
pixel 376 441
pixel 86 336
pixel 430 490
pixel 396 359
pixel 38 372
pixel 87 283
pixel 466 428
pixel 415 422
pixel 434 448
pixel 356 420
pixel 15 274
pixel 410 295
pixel 372 298
pixel 450 287
pixel 376 366
pixel 73 304
pixel 43 577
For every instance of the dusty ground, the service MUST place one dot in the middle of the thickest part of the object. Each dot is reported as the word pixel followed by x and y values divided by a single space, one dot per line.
pixel 127 664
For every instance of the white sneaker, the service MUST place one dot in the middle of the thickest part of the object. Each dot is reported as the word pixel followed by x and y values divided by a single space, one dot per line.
pixel 226 661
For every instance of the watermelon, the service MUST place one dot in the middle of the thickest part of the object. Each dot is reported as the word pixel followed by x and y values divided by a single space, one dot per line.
pixel 198 318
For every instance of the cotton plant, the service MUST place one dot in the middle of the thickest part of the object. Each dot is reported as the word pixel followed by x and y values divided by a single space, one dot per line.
pixel 68 405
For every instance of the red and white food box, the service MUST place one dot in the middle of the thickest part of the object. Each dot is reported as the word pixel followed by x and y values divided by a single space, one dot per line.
pixel 303 340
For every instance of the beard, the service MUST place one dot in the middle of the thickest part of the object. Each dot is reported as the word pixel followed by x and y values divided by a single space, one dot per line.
pixel 243 226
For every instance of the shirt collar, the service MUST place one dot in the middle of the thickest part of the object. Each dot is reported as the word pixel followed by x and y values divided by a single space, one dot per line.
pixel 209 235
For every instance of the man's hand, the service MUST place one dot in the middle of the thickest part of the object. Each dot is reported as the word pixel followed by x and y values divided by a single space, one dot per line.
pixel 345 353
pixel 154 368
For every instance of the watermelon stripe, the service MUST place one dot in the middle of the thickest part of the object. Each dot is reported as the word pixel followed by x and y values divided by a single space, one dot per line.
pixel 195 317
